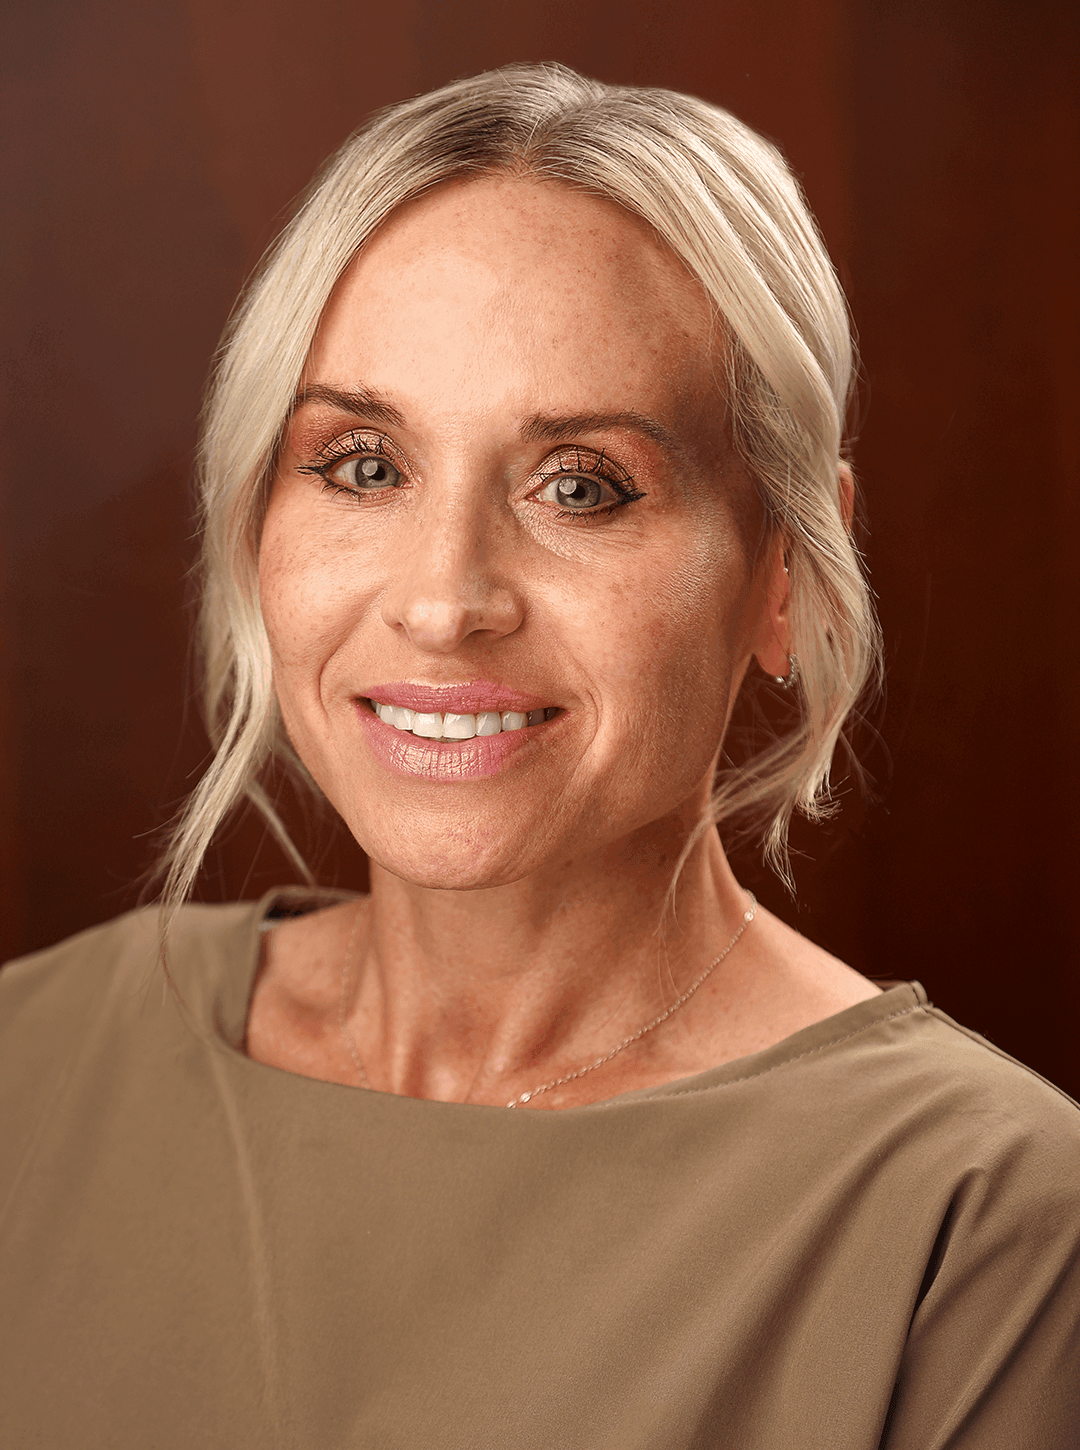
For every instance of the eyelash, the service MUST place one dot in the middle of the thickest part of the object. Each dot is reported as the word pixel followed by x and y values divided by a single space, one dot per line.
pixel 340 450
pixel 623 486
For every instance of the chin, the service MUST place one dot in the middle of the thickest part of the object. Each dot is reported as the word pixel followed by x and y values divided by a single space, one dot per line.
pixel 448 857
pixel 445 872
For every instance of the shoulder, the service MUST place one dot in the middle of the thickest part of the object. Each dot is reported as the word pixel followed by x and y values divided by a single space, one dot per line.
pixel 970 1123
pixel 90 1023
pixel 113 986
pixel 895 1047
pixel 97 1008
pixel 84 964
pixel 122 970
pixel 125 952
pixel 940 1138
pixel 998 1310
pixel 893 1081
pixel 954 1069
pixel 1015 1120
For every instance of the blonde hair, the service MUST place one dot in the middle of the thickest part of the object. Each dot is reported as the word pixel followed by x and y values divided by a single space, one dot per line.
pixel 725 202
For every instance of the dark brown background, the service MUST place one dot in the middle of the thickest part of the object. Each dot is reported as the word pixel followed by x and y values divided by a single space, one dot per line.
pixel 151 150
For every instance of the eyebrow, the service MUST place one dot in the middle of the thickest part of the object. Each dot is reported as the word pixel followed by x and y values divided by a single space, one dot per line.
pixel 545 428
pixel 362 403
pixel 540 428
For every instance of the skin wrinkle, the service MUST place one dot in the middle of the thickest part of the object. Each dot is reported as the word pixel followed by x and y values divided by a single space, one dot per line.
pixel 513 919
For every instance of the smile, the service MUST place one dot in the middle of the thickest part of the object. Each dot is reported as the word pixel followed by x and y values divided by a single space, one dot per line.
pixel 448 727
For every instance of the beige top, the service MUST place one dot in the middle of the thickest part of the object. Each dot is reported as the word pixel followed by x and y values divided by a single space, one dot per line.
pixel 863 1236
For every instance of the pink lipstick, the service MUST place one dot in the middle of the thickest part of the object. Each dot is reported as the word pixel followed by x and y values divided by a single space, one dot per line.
pixel 465 699
pixel 407 726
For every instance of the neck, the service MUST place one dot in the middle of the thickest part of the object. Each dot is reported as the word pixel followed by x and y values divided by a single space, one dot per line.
pixel 480 995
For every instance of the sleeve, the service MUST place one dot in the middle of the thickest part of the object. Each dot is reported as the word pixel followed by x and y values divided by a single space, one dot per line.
pixel 992 1360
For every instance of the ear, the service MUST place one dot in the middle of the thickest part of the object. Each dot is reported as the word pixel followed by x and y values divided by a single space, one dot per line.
pixel 772 643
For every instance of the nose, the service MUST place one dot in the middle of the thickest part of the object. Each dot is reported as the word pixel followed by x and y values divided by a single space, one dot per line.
pixel 447 584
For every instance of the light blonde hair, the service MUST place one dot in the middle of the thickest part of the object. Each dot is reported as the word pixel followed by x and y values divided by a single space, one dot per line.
pixel 725 202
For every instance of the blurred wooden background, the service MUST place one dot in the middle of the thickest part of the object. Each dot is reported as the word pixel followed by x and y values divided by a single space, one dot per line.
pixel 150 154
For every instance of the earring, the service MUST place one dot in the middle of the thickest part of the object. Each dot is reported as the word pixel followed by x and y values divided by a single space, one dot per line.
pixel 789 680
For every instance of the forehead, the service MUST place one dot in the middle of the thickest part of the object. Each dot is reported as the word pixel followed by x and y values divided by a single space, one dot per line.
pixel 511 284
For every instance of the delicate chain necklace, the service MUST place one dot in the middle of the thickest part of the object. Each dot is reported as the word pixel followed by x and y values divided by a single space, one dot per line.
pixel 747 918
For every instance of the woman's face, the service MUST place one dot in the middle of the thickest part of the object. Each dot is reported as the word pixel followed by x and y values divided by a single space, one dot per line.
pixel 506 495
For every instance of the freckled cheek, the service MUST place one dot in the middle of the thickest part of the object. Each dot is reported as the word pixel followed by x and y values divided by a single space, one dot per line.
pixel 304 639
pixel 694 655
pixel 656 648
pixel 310 608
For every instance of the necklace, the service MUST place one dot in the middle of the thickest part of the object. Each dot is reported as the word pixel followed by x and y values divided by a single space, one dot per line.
pixel 747 918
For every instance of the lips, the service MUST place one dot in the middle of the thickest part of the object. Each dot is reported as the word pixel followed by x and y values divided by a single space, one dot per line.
pixel 469 699
pixel 453 760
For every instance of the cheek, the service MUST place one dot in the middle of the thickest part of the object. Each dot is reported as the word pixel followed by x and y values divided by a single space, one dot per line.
pixel 677 636
pixel 307 613
pixel 306 604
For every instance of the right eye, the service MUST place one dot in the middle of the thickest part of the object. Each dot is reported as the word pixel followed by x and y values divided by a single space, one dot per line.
pixel 363 473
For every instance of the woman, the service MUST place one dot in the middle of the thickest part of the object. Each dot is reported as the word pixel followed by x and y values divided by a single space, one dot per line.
pixel 522 461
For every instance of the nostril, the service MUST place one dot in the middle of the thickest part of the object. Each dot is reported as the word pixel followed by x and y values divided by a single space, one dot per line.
pixel 438 611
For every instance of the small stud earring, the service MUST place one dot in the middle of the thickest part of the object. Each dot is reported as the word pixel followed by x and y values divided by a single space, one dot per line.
pixel 789 680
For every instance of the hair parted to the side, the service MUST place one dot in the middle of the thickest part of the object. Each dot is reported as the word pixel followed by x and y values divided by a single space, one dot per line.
pixel 724 200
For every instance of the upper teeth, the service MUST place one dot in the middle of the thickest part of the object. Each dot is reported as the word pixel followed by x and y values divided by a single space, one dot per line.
pixel 455 727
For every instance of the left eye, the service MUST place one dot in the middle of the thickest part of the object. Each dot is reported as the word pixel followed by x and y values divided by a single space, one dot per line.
pixel 573 491
pixel 367 472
